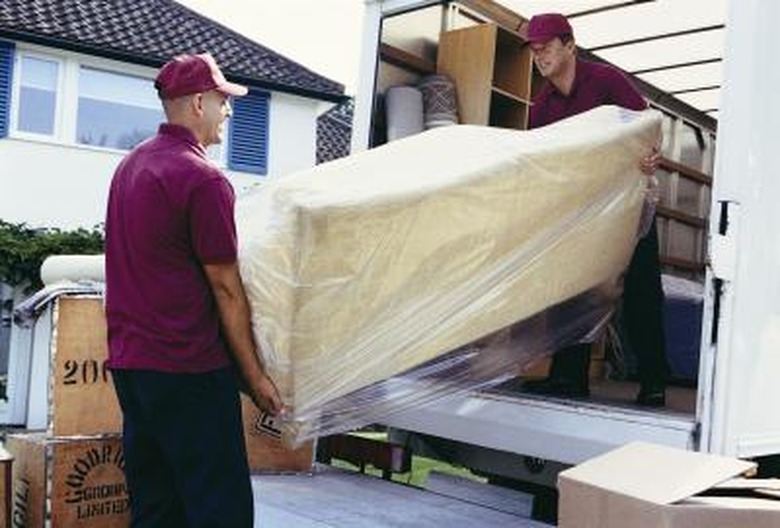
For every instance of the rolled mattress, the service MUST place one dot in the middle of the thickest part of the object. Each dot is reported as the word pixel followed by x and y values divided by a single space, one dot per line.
pixel 58 268
pixel 365 267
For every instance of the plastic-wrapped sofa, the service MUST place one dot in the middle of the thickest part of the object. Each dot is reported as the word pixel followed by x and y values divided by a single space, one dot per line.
pixel 374 265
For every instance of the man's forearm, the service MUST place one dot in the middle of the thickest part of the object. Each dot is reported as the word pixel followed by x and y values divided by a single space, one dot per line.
pixel 235 317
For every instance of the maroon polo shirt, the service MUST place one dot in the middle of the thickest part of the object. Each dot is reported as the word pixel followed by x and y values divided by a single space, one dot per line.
pixel 595 84
pixel 170 210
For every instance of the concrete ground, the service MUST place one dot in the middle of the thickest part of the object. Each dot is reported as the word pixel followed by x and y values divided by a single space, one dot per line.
pixel 336 498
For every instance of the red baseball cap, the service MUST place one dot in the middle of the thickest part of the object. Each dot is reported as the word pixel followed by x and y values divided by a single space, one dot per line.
pixel 545 27
pixel 189 74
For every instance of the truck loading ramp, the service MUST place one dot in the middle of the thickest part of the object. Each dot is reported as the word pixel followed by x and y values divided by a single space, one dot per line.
pixel 336 498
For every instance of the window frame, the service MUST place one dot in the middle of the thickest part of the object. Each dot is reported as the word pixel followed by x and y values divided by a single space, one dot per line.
pixel 13 130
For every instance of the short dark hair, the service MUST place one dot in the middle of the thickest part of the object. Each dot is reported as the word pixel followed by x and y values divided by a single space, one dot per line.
pixel 566 38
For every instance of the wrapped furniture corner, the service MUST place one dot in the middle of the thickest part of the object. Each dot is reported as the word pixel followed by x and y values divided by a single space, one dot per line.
pixel 368 267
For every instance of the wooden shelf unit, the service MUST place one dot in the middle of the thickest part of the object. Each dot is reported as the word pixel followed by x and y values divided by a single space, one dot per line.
pixel 507 111
pixel 492 70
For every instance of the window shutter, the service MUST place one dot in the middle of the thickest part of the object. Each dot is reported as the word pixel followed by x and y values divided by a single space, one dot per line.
pixel 6 69
pixel 248 145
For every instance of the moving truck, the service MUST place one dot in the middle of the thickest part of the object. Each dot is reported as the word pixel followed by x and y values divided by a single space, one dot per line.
pixel 718 233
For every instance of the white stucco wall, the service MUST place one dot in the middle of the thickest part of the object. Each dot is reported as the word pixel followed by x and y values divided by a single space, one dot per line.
pixel 50 185
pixel 45 184
pixel 293 139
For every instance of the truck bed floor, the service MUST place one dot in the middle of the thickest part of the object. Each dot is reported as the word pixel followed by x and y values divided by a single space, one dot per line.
pixel 335 498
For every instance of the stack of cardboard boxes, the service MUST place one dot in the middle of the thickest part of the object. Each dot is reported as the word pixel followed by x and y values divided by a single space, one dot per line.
pixel 71 474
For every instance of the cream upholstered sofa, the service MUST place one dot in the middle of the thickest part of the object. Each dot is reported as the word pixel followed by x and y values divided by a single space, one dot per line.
pixel 363 268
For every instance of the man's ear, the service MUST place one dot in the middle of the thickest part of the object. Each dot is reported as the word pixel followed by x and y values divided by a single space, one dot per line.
pixel 197 104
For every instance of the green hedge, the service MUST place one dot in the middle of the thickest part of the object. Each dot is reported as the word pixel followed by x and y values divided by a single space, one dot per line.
pixel 23 249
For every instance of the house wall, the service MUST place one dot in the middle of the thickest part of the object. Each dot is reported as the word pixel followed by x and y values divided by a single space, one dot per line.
pixel 293 136
pixel 45 184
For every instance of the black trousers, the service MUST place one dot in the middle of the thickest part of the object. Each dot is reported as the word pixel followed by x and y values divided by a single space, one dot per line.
pixel 643 300
pixel 185 457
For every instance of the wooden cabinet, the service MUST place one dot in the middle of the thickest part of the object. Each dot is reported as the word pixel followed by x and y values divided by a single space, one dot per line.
pixel 492 70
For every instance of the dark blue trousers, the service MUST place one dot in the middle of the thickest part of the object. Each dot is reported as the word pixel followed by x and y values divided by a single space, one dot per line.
pixel 643 312
pixel 185 457
pixel 643 300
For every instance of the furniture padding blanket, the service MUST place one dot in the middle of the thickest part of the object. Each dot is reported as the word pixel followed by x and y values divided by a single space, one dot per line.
pixel 363 268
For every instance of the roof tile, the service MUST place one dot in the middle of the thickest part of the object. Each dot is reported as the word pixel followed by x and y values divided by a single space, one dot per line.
pixel 334 132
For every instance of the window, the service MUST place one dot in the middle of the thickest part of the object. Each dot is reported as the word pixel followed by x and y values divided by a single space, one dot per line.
pixel 115 110
pixel 37 95
pixel 76 99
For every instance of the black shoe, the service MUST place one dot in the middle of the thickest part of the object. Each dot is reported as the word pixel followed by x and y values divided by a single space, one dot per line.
pixel 556 387
pixel 651 397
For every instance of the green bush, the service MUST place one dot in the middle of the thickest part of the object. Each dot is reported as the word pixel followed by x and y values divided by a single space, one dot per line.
pixel 23 249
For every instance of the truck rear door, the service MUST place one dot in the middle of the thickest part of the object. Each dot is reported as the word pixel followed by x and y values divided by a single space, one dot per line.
pixel 740 371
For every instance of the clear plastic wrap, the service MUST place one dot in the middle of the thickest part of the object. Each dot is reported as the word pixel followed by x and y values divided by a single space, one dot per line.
pixel 437 263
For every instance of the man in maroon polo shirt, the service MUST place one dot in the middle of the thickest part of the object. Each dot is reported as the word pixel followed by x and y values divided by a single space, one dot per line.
pixel 573 86
pixel 178 319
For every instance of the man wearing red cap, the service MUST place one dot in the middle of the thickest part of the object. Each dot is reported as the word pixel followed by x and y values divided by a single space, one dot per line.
pixel 178 318
pixel 573 86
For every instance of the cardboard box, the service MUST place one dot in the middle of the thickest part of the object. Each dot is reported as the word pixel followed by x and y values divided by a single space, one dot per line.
pixel 83 398
pixel 73 483
pixel 643 485
pixel 265 450
pixel 6 467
